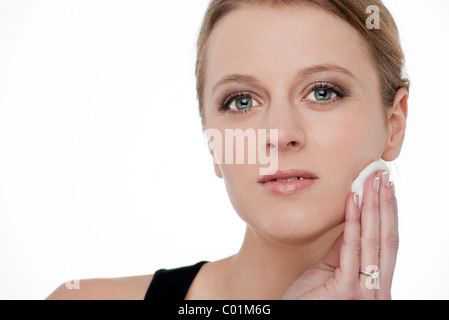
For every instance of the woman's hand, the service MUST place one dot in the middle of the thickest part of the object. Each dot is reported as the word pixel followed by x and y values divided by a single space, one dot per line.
pixel 369 242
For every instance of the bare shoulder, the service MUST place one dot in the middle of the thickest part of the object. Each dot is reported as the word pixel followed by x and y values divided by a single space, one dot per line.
pixel 126 288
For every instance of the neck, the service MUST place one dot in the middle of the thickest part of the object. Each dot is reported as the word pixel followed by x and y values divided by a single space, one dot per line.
pixel 268 268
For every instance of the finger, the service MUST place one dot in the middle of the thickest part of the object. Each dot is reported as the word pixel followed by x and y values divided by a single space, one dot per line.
pixel 370 239
pixel 348 270
pixel 389 238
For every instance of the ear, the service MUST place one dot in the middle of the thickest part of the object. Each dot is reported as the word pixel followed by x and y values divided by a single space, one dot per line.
pixel 397 118
pixel 216 166
pixel 218 171
pixel 207 135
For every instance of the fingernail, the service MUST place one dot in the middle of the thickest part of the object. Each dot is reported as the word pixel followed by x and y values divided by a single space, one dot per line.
pixel 392 188
pixel 356 199
pixel 376 184
pixel 385 179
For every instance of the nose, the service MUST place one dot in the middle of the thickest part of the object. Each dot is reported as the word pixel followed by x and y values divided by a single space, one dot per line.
pixel 287 120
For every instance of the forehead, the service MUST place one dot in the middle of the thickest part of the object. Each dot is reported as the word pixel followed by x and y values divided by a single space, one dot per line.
pixel 269 41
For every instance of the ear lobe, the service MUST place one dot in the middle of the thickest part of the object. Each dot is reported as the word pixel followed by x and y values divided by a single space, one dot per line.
pixel 397 122
pixel 216 166
pixel 218 170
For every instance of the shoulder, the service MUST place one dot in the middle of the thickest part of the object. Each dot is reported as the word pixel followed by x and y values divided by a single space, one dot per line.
pixel 126 288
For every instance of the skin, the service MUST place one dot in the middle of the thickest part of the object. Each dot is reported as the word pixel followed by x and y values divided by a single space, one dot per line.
pixel 313 243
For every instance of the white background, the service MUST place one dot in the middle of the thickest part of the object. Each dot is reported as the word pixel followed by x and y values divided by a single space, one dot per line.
pixel 103 169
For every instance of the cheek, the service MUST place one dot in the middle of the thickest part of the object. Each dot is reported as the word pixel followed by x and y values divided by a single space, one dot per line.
pixel 343 148
pixel 240 181
pixel 351 138
pixel 243 194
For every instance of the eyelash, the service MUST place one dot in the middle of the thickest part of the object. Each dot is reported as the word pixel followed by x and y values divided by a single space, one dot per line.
pixel 317 86
pixel 237 95
pixel 328 86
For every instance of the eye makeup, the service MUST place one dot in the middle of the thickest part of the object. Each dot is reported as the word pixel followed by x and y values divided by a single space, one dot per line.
pixel 224 106
pixel 329 87
pixel 337 93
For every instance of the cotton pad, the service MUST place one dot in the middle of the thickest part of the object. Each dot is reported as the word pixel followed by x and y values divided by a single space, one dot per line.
pixel 357 185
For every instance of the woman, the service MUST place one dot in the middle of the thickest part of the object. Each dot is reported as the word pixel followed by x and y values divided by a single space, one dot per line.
pixel 328 77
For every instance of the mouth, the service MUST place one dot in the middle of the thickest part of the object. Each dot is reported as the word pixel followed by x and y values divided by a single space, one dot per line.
pixel 285 182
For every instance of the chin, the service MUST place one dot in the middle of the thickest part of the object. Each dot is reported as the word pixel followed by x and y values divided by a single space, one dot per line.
pixel 289 226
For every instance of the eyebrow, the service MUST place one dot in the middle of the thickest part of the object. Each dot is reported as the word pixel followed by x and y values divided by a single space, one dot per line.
pixel 301 74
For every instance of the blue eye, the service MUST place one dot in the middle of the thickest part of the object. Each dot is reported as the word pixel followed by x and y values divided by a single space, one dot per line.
pixel 241 103
pixel 324 92
pixel 323 95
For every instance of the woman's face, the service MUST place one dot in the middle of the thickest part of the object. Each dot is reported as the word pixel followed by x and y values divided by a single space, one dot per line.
pixel 308 74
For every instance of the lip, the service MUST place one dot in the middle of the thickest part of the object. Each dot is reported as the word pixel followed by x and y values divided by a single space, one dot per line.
pixel 290 187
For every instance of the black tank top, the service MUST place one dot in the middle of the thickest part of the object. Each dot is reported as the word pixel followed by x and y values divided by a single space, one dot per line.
pixel 172 284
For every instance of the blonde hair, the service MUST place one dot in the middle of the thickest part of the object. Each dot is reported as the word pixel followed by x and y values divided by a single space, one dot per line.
pixel 383 42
